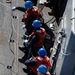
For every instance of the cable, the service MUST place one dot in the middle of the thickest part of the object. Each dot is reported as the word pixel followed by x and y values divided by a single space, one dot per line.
pixel 50 20
pixel 10 40
pixel 66 54
pixel 63 53
pixel 53 21
pixel 42 9
pixel 8 66
pixel 63 35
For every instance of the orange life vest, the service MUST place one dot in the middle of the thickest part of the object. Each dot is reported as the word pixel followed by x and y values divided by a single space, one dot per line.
pixel 41 60
pixel 29 12
pixel 41 34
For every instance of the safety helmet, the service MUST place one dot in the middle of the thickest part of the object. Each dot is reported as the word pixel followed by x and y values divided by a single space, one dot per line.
pixel 28 4
pixel 36 24
pixel 42 69
pixel 42 52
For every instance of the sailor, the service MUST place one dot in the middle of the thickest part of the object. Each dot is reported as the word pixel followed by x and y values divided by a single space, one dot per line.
pixel 32 13
pixel 20 8
pixel 34 1
pixel 42 70
pixel 35 40
pixel 34 63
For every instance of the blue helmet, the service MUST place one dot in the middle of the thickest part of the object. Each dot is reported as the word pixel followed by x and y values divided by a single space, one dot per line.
pixel 28 4
pixel 42 69
pixel 36 24
pixel 42 52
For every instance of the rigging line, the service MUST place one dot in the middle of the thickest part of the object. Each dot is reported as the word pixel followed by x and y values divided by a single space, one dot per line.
pixel 13 62
pixel 41 11
pixel 53 21
pixel 13 57
pixel 11 36
pixel 10 46
pixel 11 40
pixel 66 54
pixel 16 31
pixel 62 52
pixel 12 26
pixel 8 67
pixel 50 20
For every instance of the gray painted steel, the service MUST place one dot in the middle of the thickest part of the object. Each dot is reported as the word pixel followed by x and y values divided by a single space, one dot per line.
pixel 66 61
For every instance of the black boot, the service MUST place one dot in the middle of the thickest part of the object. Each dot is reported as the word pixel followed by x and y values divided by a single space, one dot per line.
pixel 25 70
pixel 22 48
pixel 24 58
pixel 21 60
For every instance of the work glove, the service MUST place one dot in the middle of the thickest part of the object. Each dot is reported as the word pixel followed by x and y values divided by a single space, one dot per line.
pixel 26 44
pixel 23 26
pixel 13 8
pixel 25 36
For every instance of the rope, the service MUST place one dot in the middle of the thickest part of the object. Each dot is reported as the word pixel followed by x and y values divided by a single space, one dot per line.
pixel 10 40
pixel 50 20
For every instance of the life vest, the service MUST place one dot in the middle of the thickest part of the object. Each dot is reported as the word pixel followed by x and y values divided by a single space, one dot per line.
pixel 28 13
pixel 41 60
pixel 41 34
